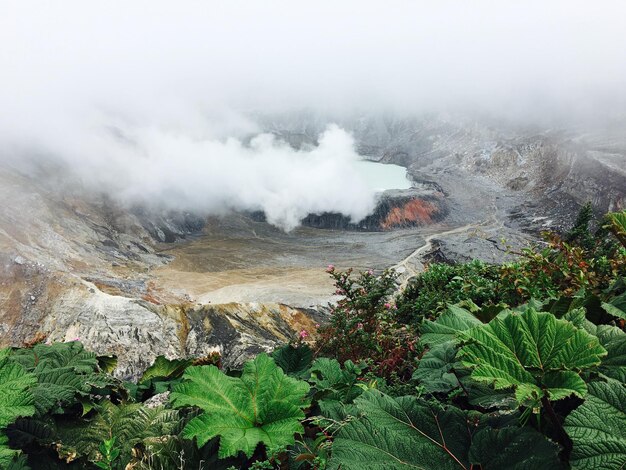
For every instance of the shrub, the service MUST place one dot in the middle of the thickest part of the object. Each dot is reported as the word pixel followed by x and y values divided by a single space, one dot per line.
pixel 428 294
pixel 363 324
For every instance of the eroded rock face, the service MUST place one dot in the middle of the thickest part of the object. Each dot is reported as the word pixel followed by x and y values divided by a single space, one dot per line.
pixel 138 331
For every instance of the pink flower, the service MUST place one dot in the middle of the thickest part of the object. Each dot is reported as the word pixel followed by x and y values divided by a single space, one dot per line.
pixel 317 325
pixel 387 305
pixel 370 272
pixel 330 268
pixel 303 334
pixel 359 326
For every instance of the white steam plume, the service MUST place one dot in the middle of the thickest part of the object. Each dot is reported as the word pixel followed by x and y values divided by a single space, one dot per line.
pixel 176 170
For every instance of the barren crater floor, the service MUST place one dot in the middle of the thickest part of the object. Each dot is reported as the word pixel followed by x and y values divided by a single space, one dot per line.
pixel 257 263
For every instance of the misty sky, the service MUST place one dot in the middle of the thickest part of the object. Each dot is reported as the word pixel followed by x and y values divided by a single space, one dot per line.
pixel 159 71
pixel 246 54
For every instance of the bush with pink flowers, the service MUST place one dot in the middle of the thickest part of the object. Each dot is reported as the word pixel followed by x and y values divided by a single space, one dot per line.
pixel 363 327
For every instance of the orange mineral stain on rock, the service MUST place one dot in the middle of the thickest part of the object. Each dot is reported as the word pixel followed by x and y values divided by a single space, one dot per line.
pixel 414 211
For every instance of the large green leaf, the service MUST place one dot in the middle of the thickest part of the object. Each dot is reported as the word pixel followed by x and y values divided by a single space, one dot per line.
pixel 403 433
pixel 163 368
pixel 435 371
pixel 614 341
pixel 439 371
pixel 598 428
pixel 65 372
pixel 513 448
pixel 616 306
pixel 611 338
pixel 263 405
pixel 16 400
pixel 127 423
pixel 447 326
pixel 19 462
pixel 331 382
pixel 50 356
pixel 24 431
pixel 532 353
pixel 160 377
pixel 294 360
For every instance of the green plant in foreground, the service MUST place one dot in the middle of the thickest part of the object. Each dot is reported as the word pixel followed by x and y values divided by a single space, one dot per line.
pixel 263 405
pixel 598 428
pixel 411 433
pixel 109 454
pixel 363 324
pixel 67 375
pixel 16 400
pixel 429 294
pixel 126 424
pixel 534 353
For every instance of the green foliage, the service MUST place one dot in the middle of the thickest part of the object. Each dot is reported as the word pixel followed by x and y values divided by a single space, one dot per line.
pixel 16 400
pixel 580 233
pixel 429 294
pixel 163 368
pixel 125 424
pixel 175 452
pixel 616 222
pixel 331 382
pixel 160 377
pixel 263 405
pixel 533 353
pixel 614 364
pixel 513 448
pixel 65 372
pixel 363 324
pixel 436 369
pixel 19 462
pixel 598 428
pixel 447 326
pixel 616 306
pixel 294 359
pixel 107 363
pixel 579 260
pixel 109 454
pixel 403 433
pixel 310 453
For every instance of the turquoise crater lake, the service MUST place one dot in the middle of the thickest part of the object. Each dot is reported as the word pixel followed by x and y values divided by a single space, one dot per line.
pixel 382 176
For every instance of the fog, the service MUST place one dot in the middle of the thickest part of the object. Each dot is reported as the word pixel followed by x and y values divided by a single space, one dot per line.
pixel 152 101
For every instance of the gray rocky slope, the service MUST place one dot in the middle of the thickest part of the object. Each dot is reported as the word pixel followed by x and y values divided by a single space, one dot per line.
pixel 140 283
